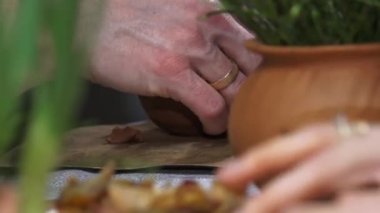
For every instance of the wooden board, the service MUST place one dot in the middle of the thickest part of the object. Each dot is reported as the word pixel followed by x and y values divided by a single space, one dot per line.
pixel 86 147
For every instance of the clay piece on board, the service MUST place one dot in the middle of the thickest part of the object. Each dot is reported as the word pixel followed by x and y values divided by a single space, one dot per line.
pixel 124 135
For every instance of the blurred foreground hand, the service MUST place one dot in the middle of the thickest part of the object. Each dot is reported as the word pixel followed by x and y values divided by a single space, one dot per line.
pixel 310 164
pixel 8 200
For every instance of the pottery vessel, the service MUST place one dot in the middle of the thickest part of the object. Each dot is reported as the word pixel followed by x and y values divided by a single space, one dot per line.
pixel 297 86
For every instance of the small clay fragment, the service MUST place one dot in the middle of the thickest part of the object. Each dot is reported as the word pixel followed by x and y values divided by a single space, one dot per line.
pixel 124 135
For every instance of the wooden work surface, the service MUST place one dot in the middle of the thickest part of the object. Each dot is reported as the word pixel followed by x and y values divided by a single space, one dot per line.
pixel 87 147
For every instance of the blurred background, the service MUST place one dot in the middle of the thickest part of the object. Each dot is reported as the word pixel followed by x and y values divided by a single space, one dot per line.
pixel 103 105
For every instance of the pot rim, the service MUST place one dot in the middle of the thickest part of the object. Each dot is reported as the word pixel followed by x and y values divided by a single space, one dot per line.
pixel 265 49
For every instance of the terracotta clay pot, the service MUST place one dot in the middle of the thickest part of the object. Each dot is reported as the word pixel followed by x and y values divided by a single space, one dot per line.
pixel 296 86
pixel 172 116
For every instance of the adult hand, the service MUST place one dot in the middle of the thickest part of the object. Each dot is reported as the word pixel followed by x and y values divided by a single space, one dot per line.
pixel 8 199
pixel 310 163
pixel 348 202
pixel 165 48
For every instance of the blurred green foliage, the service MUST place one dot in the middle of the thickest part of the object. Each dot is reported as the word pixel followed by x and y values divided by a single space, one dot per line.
pixel 37 33
pixel 309 22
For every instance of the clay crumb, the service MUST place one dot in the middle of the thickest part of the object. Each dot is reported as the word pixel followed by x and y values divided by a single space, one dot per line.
pixel 124 135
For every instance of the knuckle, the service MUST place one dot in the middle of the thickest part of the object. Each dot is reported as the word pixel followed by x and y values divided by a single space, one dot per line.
pixel 190 38
pixel 169 65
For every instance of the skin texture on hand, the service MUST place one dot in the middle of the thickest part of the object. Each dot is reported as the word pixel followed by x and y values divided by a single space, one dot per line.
pixel 8 199
pixel 308 164
pixel 168 48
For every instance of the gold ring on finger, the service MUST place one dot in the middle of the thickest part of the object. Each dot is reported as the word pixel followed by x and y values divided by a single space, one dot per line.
pixel 226 80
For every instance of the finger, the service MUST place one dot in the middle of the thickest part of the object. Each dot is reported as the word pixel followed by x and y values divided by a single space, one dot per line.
pixel 277 155
pixel 215 65
pixel 232 43
pixel 359 201
pixel 203 100
pixel 351 202
pixel 230 37
pixel 319 174
pixel 314 207
pixel 8 199
pixel 225 24
pixel 234 49
pixel 367 177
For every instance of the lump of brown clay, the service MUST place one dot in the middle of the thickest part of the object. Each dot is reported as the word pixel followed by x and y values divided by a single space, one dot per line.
pixel 172 116
pixel 124 135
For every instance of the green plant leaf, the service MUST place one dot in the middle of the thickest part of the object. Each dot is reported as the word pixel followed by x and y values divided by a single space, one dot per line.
pixel 309 22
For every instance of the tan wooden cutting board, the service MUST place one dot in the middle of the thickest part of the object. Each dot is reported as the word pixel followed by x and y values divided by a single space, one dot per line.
pixel 86 147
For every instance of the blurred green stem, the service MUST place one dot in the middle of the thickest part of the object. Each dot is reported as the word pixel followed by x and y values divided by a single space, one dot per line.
pixel 42 144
